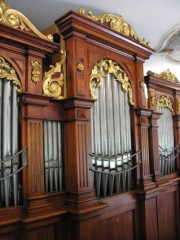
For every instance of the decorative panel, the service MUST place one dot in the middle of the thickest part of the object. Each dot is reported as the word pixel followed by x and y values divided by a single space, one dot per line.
pixel 35 156
pixel 82 142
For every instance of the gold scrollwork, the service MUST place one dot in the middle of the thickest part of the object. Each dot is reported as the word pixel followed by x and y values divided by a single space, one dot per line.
pixel 178 104
pixel 166 75
pixel 36 66
pixel 142 84
pixel 116 23
pixel 15 19
pixel 52 87
pixel 152 98
pixel 102 69
pixel 164 101
pixel 9 73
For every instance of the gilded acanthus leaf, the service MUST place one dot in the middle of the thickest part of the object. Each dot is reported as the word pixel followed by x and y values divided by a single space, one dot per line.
pixel 164 102
pixel 116 23
pixel 52 85
pixel 102 69
pixel 15 19
pixel 9 73
pixel 166 75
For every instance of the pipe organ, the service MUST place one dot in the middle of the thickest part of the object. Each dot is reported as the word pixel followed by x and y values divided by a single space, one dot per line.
pixel 82 154
pixel 111 131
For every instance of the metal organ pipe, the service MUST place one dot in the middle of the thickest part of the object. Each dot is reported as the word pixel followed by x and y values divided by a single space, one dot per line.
pixel 111 138
pixel 10 187
pixel 167 152
pixel 53 156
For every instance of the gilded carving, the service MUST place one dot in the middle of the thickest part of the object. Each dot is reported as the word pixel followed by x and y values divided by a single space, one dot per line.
pixel 116 23
pixel 152 98
pixel 36 66
pixel 164 101
pixel 178 105
pixel 166 75
pixel 8 72
pixel 15 19
pixel 102 69
pixel 53 85
pixel 80 67
pixel 142 84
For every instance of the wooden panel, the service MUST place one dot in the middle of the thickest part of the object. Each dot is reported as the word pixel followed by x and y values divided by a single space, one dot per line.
pixel 35 157
pixel 89 229
pixel 167 216
pixel 12 236
pixel 83 161
pixel 45 233
pixel 119 227
pixel 151 228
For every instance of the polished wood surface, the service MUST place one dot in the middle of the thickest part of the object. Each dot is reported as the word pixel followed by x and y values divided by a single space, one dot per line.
pixel 151 211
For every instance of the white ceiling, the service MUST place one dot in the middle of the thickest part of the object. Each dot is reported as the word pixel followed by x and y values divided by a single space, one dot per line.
pixel 150 19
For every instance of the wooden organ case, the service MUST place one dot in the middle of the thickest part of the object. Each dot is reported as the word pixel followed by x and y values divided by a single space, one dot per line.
pixel 85 160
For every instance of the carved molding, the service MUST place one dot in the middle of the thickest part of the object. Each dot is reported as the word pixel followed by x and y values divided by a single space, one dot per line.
pixel 166 75
pixel 105 67
pixel 53 85
pixel 9 73
pixel 164 101
pixel 36 66
pixel 15 19
pixel 116 23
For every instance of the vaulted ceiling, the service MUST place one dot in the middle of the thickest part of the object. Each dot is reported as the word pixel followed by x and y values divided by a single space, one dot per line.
pixel 157 21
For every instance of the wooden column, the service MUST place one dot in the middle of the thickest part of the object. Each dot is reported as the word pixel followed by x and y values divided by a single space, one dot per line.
pixel 154 148
pixel 32 104
pixel 77 147
pixel 145 180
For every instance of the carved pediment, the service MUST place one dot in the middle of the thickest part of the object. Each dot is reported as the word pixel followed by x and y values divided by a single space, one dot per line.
pixel 166 75
pixel 116 23
pixel 15 19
